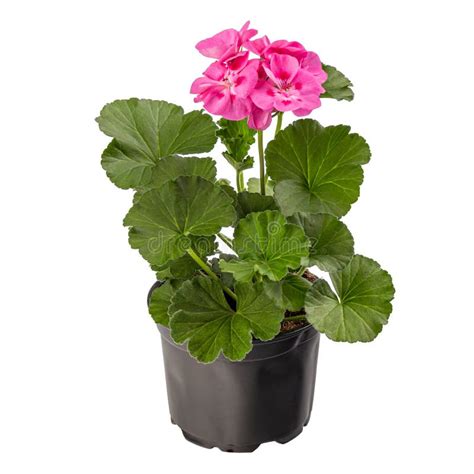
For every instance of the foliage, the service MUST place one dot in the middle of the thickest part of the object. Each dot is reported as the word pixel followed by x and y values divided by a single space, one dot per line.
pixel 285 221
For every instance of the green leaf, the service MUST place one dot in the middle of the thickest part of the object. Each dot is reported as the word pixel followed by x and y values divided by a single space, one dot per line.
pixel 126 167
pixel 224 182
pixel 185 267
pixel 361 306
pixel 245 202
pixel 230 191
pixel 226 278
pixel 144 131
pixel 331 243
pixel 201 315
pixel 289 293
pixel 253 185
pixel 160 301
pixel 237 137
pixel 163 220
pixel 267 242
pixel 253 202
pixel 242 270
pixel 337 85
pixel 172 167
pixel 317 169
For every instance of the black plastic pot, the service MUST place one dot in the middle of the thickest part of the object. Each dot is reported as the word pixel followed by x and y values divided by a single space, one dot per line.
pixel 236 406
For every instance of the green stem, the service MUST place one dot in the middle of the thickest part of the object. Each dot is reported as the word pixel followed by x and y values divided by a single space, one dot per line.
pixel 279 122
pixel 226 240
pixel 240 181
pixel 262 162
pixel 301 271
pixel 295 318
pixel 206 268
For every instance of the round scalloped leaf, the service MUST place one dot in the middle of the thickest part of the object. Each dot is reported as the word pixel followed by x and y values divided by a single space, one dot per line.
pixel 144 131
pixel 160 300
pixel 267 242
pixel 201 315
pixel 172 167
pixel 361 306
pixel 163 221
pixel 331 243
pixel 317 169
pixel 289 293
pixel 253 202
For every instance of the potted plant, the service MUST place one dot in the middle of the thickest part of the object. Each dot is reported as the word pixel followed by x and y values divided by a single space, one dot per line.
pixel 239 313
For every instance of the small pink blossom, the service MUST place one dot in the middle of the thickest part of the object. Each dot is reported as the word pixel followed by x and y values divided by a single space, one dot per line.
pixel 259 119
pixel 289 87
pixel 226 91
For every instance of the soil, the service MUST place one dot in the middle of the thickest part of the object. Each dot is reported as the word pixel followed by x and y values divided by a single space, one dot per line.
pixel 311 277
pixel 288 326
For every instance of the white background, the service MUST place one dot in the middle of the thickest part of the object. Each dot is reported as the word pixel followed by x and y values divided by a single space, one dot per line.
pixel 81 378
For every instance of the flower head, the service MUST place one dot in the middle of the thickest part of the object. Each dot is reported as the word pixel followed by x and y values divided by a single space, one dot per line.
pixel 285 77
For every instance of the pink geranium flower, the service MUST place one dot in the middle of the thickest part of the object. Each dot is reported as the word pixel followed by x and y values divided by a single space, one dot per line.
pixel 289 87
pixel 286 77
pixel 226 91
pixel 226 44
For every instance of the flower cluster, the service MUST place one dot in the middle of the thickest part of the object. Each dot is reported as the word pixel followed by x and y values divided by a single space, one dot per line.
pixel 284 77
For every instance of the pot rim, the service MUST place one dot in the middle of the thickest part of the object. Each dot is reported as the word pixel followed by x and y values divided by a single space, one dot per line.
pixel 279 337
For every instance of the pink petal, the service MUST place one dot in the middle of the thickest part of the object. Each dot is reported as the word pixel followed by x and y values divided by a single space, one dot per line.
pixel 219 44
pixel 246 80
pixel 215 71
pixel 312 63
pixel 245 34
pixel 237 109
pixel 263 96
pixel 307 83
pixel 217 101
pixel 258 46
pixel 292 48
pixel 200 84
pixel 239 61
pixel 283 68
pixel 286 103
pixel 304 112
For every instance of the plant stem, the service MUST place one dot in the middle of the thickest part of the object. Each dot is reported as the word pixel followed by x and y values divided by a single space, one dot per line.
pixel 279 122
pixel 226 240
pixel 206 268
pixel 295 318
pixel 240 181
pixel 301 271
pixel 262 162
